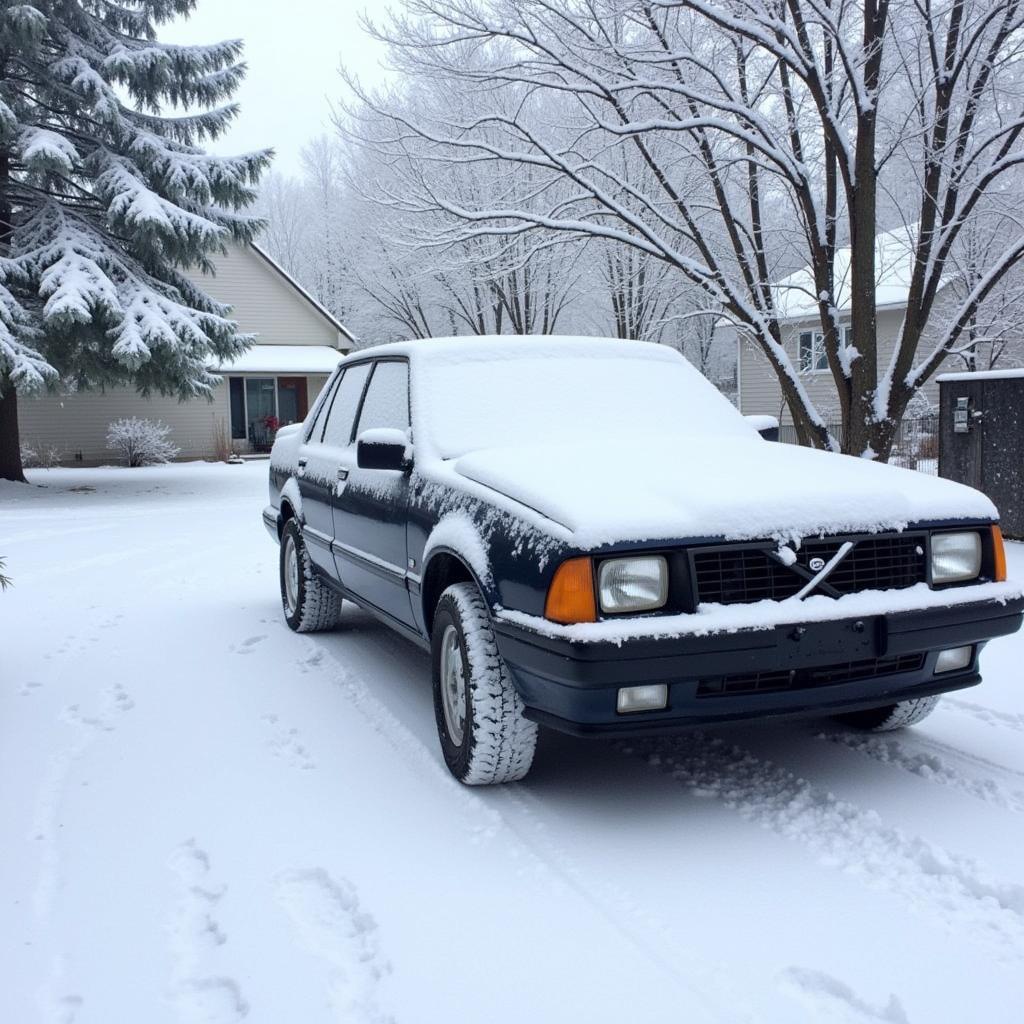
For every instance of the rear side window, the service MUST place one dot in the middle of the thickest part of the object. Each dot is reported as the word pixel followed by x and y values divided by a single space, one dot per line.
pixel 387 398
pixel 338 430
pixel 316 428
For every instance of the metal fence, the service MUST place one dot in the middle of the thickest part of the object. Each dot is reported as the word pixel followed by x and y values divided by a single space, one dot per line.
pixel 916 445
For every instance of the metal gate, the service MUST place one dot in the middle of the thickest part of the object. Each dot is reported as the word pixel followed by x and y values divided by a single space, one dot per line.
pixel 981 438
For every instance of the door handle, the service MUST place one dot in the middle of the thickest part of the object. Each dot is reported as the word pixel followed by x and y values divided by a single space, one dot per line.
pixel 342 474
pixel 302 463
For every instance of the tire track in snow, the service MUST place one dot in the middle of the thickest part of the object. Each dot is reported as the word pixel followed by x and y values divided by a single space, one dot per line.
pixel 115 701
pixel 948 888
pixel 638 925
pixel 932 767
pixel 824 994
pixel 999 719
pixel 484 823
pixel 45 829
pixel 331 924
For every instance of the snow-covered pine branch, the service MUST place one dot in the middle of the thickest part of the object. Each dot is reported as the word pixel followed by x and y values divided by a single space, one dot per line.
pixel 105 198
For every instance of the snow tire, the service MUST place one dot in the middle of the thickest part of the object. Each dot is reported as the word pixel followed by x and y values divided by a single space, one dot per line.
pixel 891 716
pixel 312 606
pixel 497 741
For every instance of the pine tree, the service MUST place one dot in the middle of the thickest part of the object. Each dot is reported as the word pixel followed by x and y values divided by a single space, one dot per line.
pixel 105 199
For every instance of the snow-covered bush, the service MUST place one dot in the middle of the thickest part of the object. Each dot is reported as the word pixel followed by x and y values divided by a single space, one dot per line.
pixel 40 456
pixel 5 581
pixel 141 442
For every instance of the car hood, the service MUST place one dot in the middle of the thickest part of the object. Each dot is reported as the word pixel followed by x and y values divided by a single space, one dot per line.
pixel 736 489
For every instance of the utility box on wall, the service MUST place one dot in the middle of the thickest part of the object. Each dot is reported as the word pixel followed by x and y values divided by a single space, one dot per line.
pixel 981 438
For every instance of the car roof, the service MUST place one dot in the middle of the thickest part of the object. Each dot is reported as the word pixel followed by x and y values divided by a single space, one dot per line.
pixel 471 348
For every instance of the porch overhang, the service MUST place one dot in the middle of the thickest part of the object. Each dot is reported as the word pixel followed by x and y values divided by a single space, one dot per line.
pixel 278 359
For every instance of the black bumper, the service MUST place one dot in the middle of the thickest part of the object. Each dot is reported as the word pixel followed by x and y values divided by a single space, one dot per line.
pixel 573 686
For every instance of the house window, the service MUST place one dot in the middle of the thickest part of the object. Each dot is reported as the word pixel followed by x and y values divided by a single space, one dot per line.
pixel 812 352
pixel 237 409
pixel 261 410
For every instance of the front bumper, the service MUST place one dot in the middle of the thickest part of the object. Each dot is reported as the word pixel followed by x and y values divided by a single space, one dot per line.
pixel 572 686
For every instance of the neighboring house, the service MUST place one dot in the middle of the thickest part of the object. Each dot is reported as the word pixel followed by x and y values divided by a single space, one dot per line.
pixel 759 390
pixel 298 344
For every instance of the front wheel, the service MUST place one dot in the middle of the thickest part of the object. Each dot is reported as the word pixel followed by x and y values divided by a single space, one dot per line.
pixel 485 737
pixel 309 604
pixel 891 716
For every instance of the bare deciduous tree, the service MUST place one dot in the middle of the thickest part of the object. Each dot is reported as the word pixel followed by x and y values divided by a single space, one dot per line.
pixel 758 136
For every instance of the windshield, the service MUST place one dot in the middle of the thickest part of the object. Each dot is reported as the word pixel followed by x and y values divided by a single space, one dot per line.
pixel 518 400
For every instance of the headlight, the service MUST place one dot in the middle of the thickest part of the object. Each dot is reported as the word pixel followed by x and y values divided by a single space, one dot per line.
pixel 633 584
pixel 956 556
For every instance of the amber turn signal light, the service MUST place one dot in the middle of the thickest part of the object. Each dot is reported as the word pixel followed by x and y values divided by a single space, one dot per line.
pixel 998 555
pixel 571 594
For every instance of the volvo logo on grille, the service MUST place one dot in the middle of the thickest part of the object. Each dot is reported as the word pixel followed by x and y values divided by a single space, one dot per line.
pixel 816 564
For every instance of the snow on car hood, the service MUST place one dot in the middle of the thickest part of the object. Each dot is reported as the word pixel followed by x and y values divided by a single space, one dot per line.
pixel 737 489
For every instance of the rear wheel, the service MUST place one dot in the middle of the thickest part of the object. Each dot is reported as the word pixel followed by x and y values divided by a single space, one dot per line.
pixel 485 738
pixel 309 604
pixel 891 716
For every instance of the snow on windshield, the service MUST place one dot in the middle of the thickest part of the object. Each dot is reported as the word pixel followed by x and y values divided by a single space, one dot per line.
pixel 516 397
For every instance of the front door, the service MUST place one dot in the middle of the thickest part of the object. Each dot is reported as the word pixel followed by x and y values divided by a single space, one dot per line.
pixel 292 400
pixel 324 451
pixel 371 505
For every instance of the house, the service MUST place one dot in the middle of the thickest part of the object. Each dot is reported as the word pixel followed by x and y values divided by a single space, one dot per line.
pixel 795 297
pixel 298 344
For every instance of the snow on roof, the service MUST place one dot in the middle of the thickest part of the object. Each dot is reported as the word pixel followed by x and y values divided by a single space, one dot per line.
pixel 797 297
pixel 316 304
pixel 1008 374
pixel 282 359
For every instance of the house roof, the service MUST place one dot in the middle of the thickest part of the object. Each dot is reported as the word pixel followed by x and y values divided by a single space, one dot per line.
pixel 318 306
pixel 796 298
pixel 300 359
pixel 1010 373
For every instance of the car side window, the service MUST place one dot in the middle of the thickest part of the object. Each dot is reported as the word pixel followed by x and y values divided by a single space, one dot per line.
pixel 316 425
pixel 387 398
pixel 338 429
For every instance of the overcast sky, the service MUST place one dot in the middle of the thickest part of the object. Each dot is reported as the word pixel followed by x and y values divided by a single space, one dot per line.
pixel 293 50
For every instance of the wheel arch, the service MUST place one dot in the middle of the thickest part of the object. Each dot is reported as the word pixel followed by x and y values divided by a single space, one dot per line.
pixel 444 566
pixel 289 505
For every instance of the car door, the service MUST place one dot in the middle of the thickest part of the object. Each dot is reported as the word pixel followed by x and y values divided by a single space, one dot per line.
pixel 371 505
pixel 320 457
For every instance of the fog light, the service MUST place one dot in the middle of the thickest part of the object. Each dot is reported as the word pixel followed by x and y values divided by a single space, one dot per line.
pixel 652 697
pixel 953 660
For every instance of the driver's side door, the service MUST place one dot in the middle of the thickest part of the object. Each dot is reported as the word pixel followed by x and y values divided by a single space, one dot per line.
pixel 371 505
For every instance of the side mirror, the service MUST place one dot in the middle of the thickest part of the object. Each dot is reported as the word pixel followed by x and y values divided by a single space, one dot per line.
pixel 766 426
pixel 383 448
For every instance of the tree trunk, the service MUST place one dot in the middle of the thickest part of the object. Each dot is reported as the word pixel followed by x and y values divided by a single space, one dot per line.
pixel 10 440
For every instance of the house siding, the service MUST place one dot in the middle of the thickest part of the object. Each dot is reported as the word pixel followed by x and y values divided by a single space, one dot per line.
pixel 760 393
pixel 265 304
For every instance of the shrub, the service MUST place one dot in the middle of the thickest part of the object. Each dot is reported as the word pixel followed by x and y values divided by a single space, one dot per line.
pixel 5 581
pixel 40 456
pixel 141 442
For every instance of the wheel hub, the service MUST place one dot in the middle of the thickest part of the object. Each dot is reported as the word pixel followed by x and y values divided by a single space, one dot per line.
pixel 291 575
pixel 453 685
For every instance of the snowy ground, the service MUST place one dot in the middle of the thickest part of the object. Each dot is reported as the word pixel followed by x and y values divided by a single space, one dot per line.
pixel 204 817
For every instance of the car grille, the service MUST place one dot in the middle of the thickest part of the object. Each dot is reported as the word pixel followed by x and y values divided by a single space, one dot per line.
pixel 777 680
pixel 734 574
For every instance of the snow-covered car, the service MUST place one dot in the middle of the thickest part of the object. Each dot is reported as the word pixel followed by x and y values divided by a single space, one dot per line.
pixel 587 536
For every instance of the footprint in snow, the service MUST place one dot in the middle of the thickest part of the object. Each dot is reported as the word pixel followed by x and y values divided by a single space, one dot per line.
pixel 823 994
pixel 286 745
pixel 246 646
pixel 331 924
pixel 200 996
